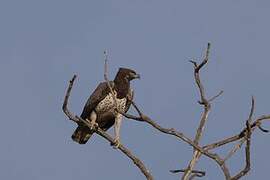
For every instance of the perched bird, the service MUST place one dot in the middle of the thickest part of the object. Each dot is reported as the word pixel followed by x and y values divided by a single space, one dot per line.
pixel 100 107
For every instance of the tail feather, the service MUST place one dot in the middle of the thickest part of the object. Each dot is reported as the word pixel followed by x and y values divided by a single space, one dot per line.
pixel 82 134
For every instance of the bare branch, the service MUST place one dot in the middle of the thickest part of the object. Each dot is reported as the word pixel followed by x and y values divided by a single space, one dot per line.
pixel 216 96
pixel 239 145
pixel 207 107
pixel 234 149
pixel 247 149
pixel 259 121
pixel 204 101
pixel 251 109
pixel 263 130
pixel 205 59
pixel 181 136
pixel 221 142
pixel 254 125
pixel 137 108
pixel 105 135
pixel 196 173
pixel 64 107
pixel 194 63
pixel 173 132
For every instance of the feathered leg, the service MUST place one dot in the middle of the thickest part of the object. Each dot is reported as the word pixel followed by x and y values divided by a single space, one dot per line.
pixel 117 126
pixel 93 118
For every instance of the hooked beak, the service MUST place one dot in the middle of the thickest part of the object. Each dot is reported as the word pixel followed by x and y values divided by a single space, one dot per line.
pixel 137 76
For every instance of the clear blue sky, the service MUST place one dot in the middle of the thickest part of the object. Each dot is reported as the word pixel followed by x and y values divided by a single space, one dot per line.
pixel 43 43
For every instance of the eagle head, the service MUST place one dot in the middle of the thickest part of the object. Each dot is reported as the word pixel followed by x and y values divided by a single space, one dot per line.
pixel 127 74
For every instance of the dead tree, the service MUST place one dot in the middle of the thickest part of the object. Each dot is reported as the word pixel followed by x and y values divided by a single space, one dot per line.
pixel 243 137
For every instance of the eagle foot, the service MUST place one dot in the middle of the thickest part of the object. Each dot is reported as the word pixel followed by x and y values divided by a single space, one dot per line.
pixel 116 143
pixel 92 124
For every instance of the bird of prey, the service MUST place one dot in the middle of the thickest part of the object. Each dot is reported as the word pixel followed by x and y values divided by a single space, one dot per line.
pixel 100 107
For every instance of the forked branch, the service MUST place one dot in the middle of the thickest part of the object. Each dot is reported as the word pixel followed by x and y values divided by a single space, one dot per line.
pixel 204 117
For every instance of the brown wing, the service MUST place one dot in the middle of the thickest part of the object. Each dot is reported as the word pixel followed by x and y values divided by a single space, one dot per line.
pixel 98 95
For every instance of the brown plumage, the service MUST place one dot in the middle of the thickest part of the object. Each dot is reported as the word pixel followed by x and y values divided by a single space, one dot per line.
pixel 101 103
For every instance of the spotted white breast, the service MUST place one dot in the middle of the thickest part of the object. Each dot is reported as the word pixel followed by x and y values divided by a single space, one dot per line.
pixel 107 104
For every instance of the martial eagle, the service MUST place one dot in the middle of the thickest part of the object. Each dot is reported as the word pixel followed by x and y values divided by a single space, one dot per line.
pixel 100 106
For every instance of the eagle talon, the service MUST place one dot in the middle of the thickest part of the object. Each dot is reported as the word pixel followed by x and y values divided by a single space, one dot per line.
pixel 116 143
pixel 93 125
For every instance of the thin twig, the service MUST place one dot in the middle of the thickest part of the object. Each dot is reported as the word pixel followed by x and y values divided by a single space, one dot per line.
pixel 247 150
pixel 64 107
pixel 107 80
pixel 137 108
pixel 221 142
pixel 254 125
pixel 260 120
pixel 234 149
pixel 239 145
pixel 251 110
pixel 216 96
pixel 205 59
pixel 263 130
pixel 196 173
pixel 102 133
pixel 247 138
